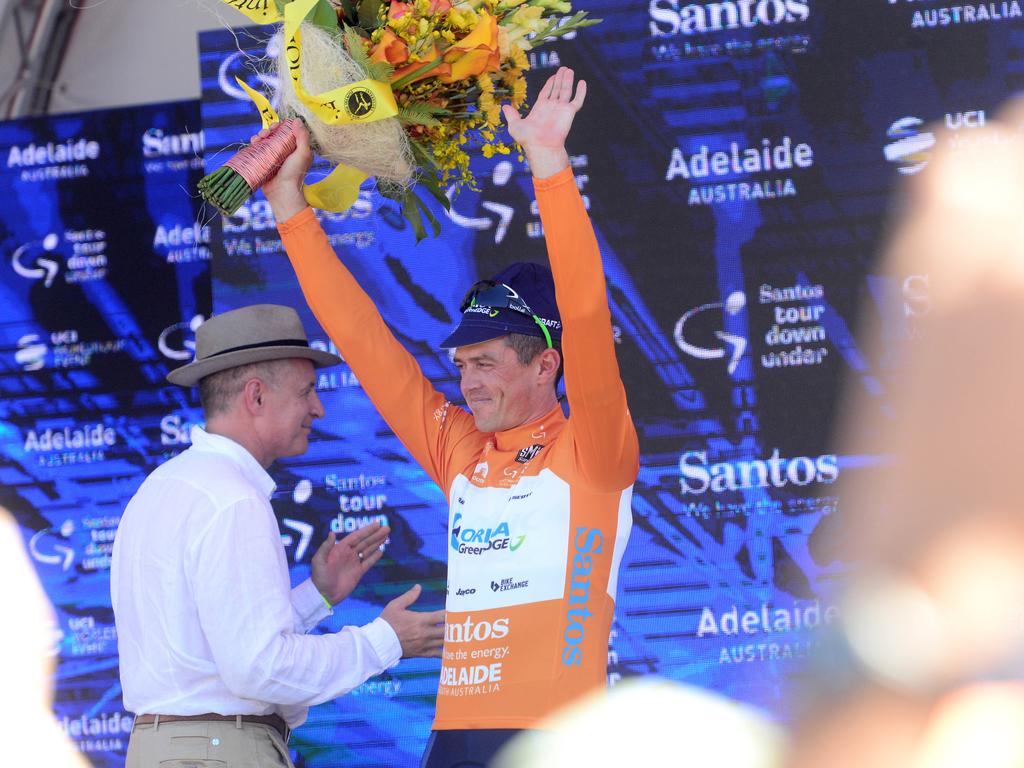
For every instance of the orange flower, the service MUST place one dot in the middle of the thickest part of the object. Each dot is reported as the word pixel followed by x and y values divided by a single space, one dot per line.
pixel 398 10
pixel 441 70
pixel 391 49
pixel 476 53
pixel 439 6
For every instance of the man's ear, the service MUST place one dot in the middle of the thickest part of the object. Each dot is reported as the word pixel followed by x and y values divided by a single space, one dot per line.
pixel 253 394
pixel 549 360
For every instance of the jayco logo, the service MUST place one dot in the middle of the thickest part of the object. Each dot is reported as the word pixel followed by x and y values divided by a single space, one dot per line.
pixel 477 541
pixel 672 17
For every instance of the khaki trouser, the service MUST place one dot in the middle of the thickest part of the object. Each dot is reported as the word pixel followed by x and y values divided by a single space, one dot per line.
pixel 206 744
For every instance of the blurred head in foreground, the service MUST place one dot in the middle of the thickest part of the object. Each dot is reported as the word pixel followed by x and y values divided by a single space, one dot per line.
pixel 649 722
pixel 933 617
pixel 29 734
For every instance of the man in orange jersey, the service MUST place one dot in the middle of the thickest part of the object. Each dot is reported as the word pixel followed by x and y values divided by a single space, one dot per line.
pixel 539 503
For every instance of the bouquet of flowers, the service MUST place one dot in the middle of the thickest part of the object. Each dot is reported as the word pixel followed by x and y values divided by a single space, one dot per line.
pixel 401 91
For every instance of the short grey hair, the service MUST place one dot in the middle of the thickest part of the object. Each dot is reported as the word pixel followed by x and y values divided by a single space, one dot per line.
pixel 218 390
pixel 528 347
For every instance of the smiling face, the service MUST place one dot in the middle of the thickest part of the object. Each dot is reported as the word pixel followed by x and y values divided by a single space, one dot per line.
pixel 291 405
pixel 502 392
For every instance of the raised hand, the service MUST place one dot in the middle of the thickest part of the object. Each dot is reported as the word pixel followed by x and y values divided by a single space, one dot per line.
pixel 284 191
pixel 338 566
pixel 420 633
pixel 543 131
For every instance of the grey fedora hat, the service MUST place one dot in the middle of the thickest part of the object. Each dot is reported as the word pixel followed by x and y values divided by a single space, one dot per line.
pixel 248 335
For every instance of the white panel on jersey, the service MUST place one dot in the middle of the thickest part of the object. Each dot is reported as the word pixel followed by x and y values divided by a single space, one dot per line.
pixel 507 546
pixel 622 529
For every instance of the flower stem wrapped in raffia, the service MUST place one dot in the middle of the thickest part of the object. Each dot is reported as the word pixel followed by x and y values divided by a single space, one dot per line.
pixel 400 91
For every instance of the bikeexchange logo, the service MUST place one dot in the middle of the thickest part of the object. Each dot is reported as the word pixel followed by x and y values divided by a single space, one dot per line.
pixel 507 585
pixel 478 541
pixel 41 259
pixel 924 17
pixel 717 174
pixel 733 346
pixel 911 143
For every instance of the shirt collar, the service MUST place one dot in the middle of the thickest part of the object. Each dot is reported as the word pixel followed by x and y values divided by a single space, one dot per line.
pixel 225 446
pixel 539 431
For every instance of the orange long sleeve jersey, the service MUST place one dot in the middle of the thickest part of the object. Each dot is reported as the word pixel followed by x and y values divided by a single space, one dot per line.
pixel 538 515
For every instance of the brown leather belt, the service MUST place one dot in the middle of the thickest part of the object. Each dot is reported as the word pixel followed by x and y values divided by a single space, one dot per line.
pixel 274 721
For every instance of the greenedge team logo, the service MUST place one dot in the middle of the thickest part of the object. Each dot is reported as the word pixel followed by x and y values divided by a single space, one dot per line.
pixel 360 103
pixel 477 541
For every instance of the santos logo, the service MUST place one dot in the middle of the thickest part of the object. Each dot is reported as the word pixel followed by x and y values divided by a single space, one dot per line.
pixel 672 17
pixel 471 631
pixel 176 430
pixel 484 539
pixel 700 477
pixel 156 143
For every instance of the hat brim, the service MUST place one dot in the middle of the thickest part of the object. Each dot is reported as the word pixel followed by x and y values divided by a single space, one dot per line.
pixel 190 374
pixel 477 330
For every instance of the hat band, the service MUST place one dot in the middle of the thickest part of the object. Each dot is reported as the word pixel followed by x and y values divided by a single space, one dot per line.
pixel 272 343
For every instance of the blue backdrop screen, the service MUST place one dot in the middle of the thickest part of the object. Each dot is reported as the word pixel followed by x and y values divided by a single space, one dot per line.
pixel 105 272
pixel 738 160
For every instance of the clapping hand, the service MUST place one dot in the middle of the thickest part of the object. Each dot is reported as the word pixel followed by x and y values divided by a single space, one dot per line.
pixel 339 565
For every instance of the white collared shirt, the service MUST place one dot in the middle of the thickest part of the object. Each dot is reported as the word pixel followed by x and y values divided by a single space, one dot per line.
pixel 206 620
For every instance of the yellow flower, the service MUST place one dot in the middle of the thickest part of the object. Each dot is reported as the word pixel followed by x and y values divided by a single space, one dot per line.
pixel 518 92
pixel 527 18
pixel 519 58
pixel 463 19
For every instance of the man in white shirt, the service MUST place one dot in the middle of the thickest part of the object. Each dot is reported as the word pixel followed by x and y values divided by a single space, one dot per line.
pixel 214 656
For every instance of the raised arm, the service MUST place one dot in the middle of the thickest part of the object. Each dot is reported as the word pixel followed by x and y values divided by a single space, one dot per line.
pixel 430 429
pixel 605 441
